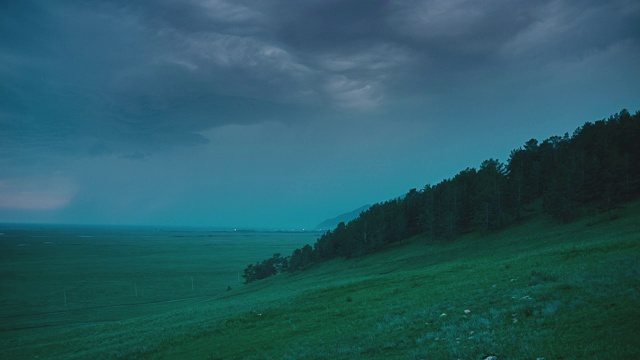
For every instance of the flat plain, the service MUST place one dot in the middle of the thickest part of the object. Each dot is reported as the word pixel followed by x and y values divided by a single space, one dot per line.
pixel 59 278
pixel 535 290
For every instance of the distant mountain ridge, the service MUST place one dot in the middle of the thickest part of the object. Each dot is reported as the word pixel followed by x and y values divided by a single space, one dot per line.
pixel 330 224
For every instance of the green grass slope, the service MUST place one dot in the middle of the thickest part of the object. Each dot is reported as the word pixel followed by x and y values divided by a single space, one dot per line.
pixel 535 290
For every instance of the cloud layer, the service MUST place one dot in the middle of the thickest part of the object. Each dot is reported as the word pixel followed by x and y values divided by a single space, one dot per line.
pixel 136 80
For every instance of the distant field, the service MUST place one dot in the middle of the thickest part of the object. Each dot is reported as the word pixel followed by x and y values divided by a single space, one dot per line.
pixel 536 290
pixel 54 277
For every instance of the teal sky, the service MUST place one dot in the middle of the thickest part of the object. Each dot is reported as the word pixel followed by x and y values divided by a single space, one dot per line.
pixel 280 114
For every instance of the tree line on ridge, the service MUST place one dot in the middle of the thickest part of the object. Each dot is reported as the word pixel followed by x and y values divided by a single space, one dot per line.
pixel 594 170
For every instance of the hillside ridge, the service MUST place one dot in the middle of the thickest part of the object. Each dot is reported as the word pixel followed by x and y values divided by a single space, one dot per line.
pixel 595 170
pixel 329 224
pixel 535 289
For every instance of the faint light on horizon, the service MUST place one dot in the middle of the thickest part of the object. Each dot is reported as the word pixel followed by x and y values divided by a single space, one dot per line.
pixel 38 195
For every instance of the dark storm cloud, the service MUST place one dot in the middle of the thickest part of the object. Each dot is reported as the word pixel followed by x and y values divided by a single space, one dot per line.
pixel 133 77
pixel 80 78
pixel 246 112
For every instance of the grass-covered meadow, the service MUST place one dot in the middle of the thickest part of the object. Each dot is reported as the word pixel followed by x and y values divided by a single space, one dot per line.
pixel 57 279
pixel 538 289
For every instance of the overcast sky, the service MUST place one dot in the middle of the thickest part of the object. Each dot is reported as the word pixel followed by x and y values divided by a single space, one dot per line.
pixel 280 114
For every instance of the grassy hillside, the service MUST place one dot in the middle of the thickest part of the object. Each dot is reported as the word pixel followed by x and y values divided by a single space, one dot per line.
pixel 538 289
